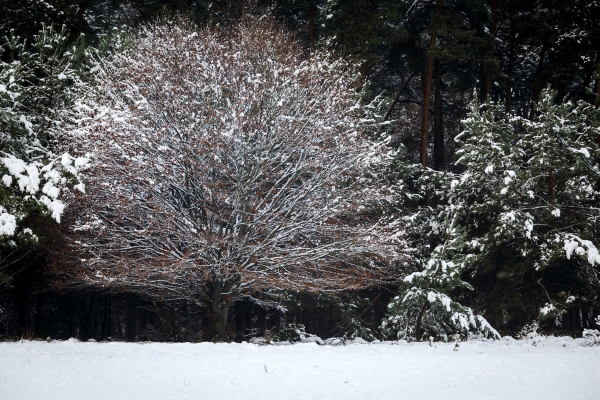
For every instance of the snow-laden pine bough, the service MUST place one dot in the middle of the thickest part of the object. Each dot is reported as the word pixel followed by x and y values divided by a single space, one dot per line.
pixel 225 164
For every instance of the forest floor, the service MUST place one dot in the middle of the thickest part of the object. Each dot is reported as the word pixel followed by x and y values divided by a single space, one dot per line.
pixel 539 368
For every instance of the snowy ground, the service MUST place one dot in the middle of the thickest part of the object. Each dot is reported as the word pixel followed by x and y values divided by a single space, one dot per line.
pixel 550 368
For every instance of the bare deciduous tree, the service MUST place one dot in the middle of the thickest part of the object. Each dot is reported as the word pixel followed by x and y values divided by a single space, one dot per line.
pixel 226 164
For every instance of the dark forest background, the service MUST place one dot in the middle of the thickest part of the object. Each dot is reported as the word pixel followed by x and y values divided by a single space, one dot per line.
pixel 504 50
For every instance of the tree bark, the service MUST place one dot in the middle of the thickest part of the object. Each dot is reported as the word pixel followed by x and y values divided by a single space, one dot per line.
pixel 419 322
pixel 538 76
pixel 438 124
pixel 311 23
pixel 71 316
pixel 219 310
pixel 598 84
pixel 106 322
pixel 487 79
pixel 427 89
pixel 511 61
pixel 370 305
pixel 129 326
pixel 21 302
pixel 389 112
pixel 188 318
pixel 89 318
pixel 551 188
pixel 37 326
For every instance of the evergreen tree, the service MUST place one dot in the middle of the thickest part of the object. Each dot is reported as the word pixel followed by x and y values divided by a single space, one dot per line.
pixel 36 166
pixel 425 306
pixel 351 29
pixel 527 197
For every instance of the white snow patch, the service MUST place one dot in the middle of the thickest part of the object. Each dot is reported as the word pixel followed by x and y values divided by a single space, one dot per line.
pixel 583 151
pixel 26 124
pixel 575 244
pixel 7 180
pixel 8 224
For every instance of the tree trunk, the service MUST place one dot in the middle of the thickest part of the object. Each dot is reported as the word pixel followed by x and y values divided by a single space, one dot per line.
pixel 106 320
pixel 188 318
pixel 129 322
pixel 389 112
pixel 598 85
pixel 511 61
pixel 89 318
pixel 585 314
pixel 311 23
pixel 219 309
pixel 538 77
pixel 487 79
pixel 37 326
pixel 427 89
pixel 419 322
pixel 21 303
pixel 551 189
pixel 71 316
pixel 438 125
pixel 587 79
pixel 370 305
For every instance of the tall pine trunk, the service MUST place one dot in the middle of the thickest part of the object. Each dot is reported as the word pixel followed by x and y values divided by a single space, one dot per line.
pixel 438 124
pixel 37 326
pixel 88 319
pixel 511 61
pixel 21 303
pixel 427 87
pixel 487 79
pixel 106 320
pixel 598 84
pixel 538 77
pixel 311 23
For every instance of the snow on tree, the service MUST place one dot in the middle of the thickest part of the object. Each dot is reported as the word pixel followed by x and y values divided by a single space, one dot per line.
pixel 425 306
pixel 36 165
pixel 530 186
pixel 534 186
pixel 228 164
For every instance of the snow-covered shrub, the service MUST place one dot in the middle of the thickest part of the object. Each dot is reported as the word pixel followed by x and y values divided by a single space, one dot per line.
pixel 550 311
pixel 296 333
pixel 529 331
pixel 591 337
pixel 347 309
pixel 227 163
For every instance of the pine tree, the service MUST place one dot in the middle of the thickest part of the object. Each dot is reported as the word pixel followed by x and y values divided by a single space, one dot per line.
pixel 527 196
pixel 350 28
pixel 424 306
pixel 36 167
pixel 527 199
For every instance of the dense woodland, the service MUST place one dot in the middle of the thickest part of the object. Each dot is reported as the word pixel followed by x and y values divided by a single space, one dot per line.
pixel 222 170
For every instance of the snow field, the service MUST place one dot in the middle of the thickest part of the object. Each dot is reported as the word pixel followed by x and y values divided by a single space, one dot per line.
pixel 550 368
